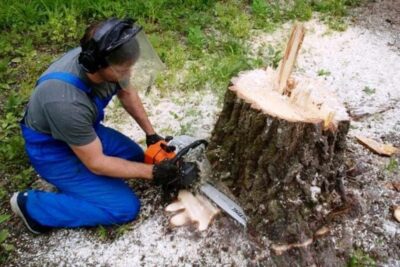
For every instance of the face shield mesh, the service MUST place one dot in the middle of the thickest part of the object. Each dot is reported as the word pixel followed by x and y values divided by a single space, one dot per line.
pixel 127 53
pixel 135 64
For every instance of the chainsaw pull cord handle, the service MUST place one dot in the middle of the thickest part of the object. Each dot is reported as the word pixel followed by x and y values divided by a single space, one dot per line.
pixel 167 148
pixel 186 149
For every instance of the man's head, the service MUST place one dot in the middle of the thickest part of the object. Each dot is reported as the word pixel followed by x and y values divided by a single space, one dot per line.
pixel 110 49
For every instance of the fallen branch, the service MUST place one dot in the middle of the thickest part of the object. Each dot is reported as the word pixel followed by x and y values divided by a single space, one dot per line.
pixel 357 115
pixel 378 148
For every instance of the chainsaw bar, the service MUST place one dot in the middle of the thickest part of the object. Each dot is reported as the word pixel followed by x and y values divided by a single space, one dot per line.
pixel 225 203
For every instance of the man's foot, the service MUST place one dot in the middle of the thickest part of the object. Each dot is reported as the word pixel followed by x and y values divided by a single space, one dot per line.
pixel 18 204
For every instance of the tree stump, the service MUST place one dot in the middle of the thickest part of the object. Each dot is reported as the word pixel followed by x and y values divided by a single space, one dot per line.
pixel 279 148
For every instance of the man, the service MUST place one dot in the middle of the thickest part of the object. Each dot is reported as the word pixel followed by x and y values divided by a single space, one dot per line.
pixel 70 148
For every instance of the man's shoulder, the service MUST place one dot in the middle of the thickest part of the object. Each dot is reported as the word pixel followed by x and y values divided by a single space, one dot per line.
pixel 56 90
pixel 68 62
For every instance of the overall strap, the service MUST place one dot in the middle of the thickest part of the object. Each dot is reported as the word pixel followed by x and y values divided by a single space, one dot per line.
pixel 66 77
pixel 77 82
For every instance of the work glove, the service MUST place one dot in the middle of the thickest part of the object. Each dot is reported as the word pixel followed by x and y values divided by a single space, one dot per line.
pixel 164 172
pixel 153 138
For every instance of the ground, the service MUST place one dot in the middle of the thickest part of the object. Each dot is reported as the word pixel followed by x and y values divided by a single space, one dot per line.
pixel 362 66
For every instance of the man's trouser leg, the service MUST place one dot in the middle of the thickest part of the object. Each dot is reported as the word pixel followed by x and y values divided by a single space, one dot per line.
pixel 84 198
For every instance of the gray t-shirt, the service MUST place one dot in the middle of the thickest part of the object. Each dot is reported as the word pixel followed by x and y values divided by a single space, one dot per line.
pixel 62 110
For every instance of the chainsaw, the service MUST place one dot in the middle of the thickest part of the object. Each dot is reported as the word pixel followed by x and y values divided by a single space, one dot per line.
pixel 185 151
pixel 176 150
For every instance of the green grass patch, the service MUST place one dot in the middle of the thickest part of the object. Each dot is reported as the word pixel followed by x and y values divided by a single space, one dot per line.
pixel 5 247
pixel 392 166
pixel 360 258
pixel 369 91
pixel 323 72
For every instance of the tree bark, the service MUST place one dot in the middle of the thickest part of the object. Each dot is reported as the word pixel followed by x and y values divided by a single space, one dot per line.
pixel 286 175
pixel 275 168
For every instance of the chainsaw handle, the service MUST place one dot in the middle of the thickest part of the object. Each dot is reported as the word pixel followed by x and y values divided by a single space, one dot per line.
pixel 187 148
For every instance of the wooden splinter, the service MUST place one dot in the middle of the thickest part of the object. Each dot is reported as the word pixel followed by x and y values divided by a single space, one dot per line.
pixel 192 208
pixel 282 84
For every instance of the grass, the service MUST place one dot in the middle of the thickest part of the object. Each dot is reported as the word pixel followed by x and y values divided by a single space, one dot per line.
pixel 392 166
pixel 359 258
pixel 5 248
pixel 202 42
pixel 369 91
pixel 323 72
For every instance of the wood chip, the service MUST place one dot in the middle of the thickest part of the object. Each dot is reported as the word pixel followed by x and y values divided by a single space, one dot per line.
pixel 279 249
pixel 378 148
pixel 396 213
pixel 180 219
pixel 389 186
pixel 393 186
pixel 396 185
pixel 175 206
pixel 322 231
pixel 193 209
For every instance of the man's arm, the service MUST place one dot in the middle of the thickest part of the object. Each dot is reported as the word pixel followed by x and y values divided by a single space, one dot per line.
pixel 133 105
pixel 93 158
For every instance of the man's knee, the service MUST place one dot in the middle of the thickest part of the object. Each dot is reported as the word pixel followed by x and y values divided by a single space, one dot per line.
pixel 128 209
pixel 135 152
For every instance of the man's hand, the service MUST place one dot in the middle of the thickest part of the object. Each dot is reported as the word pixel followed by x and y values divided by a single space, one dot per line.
pixel 153 138
pixel 164 172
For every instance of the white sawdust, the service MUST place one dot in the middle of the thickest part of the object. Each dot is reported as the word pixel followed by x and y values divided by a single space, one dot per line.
pixel 147 244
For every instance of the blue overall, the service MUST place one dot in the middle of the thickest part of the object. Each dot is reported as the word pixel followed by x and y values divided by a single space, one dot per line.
pixel 83 198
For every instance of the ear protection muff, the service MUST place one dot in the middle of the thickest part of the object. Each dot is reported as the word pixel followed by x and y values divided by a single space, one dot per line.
pixel 108 37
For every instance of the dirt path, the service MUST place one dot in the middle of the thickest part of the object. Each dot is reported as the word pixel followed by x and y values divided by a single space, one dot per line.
pixel 362 65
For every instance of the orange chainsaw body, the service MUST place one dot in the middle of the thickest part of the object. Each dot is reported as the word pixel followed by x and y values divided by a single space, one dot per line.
pixel 158 152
